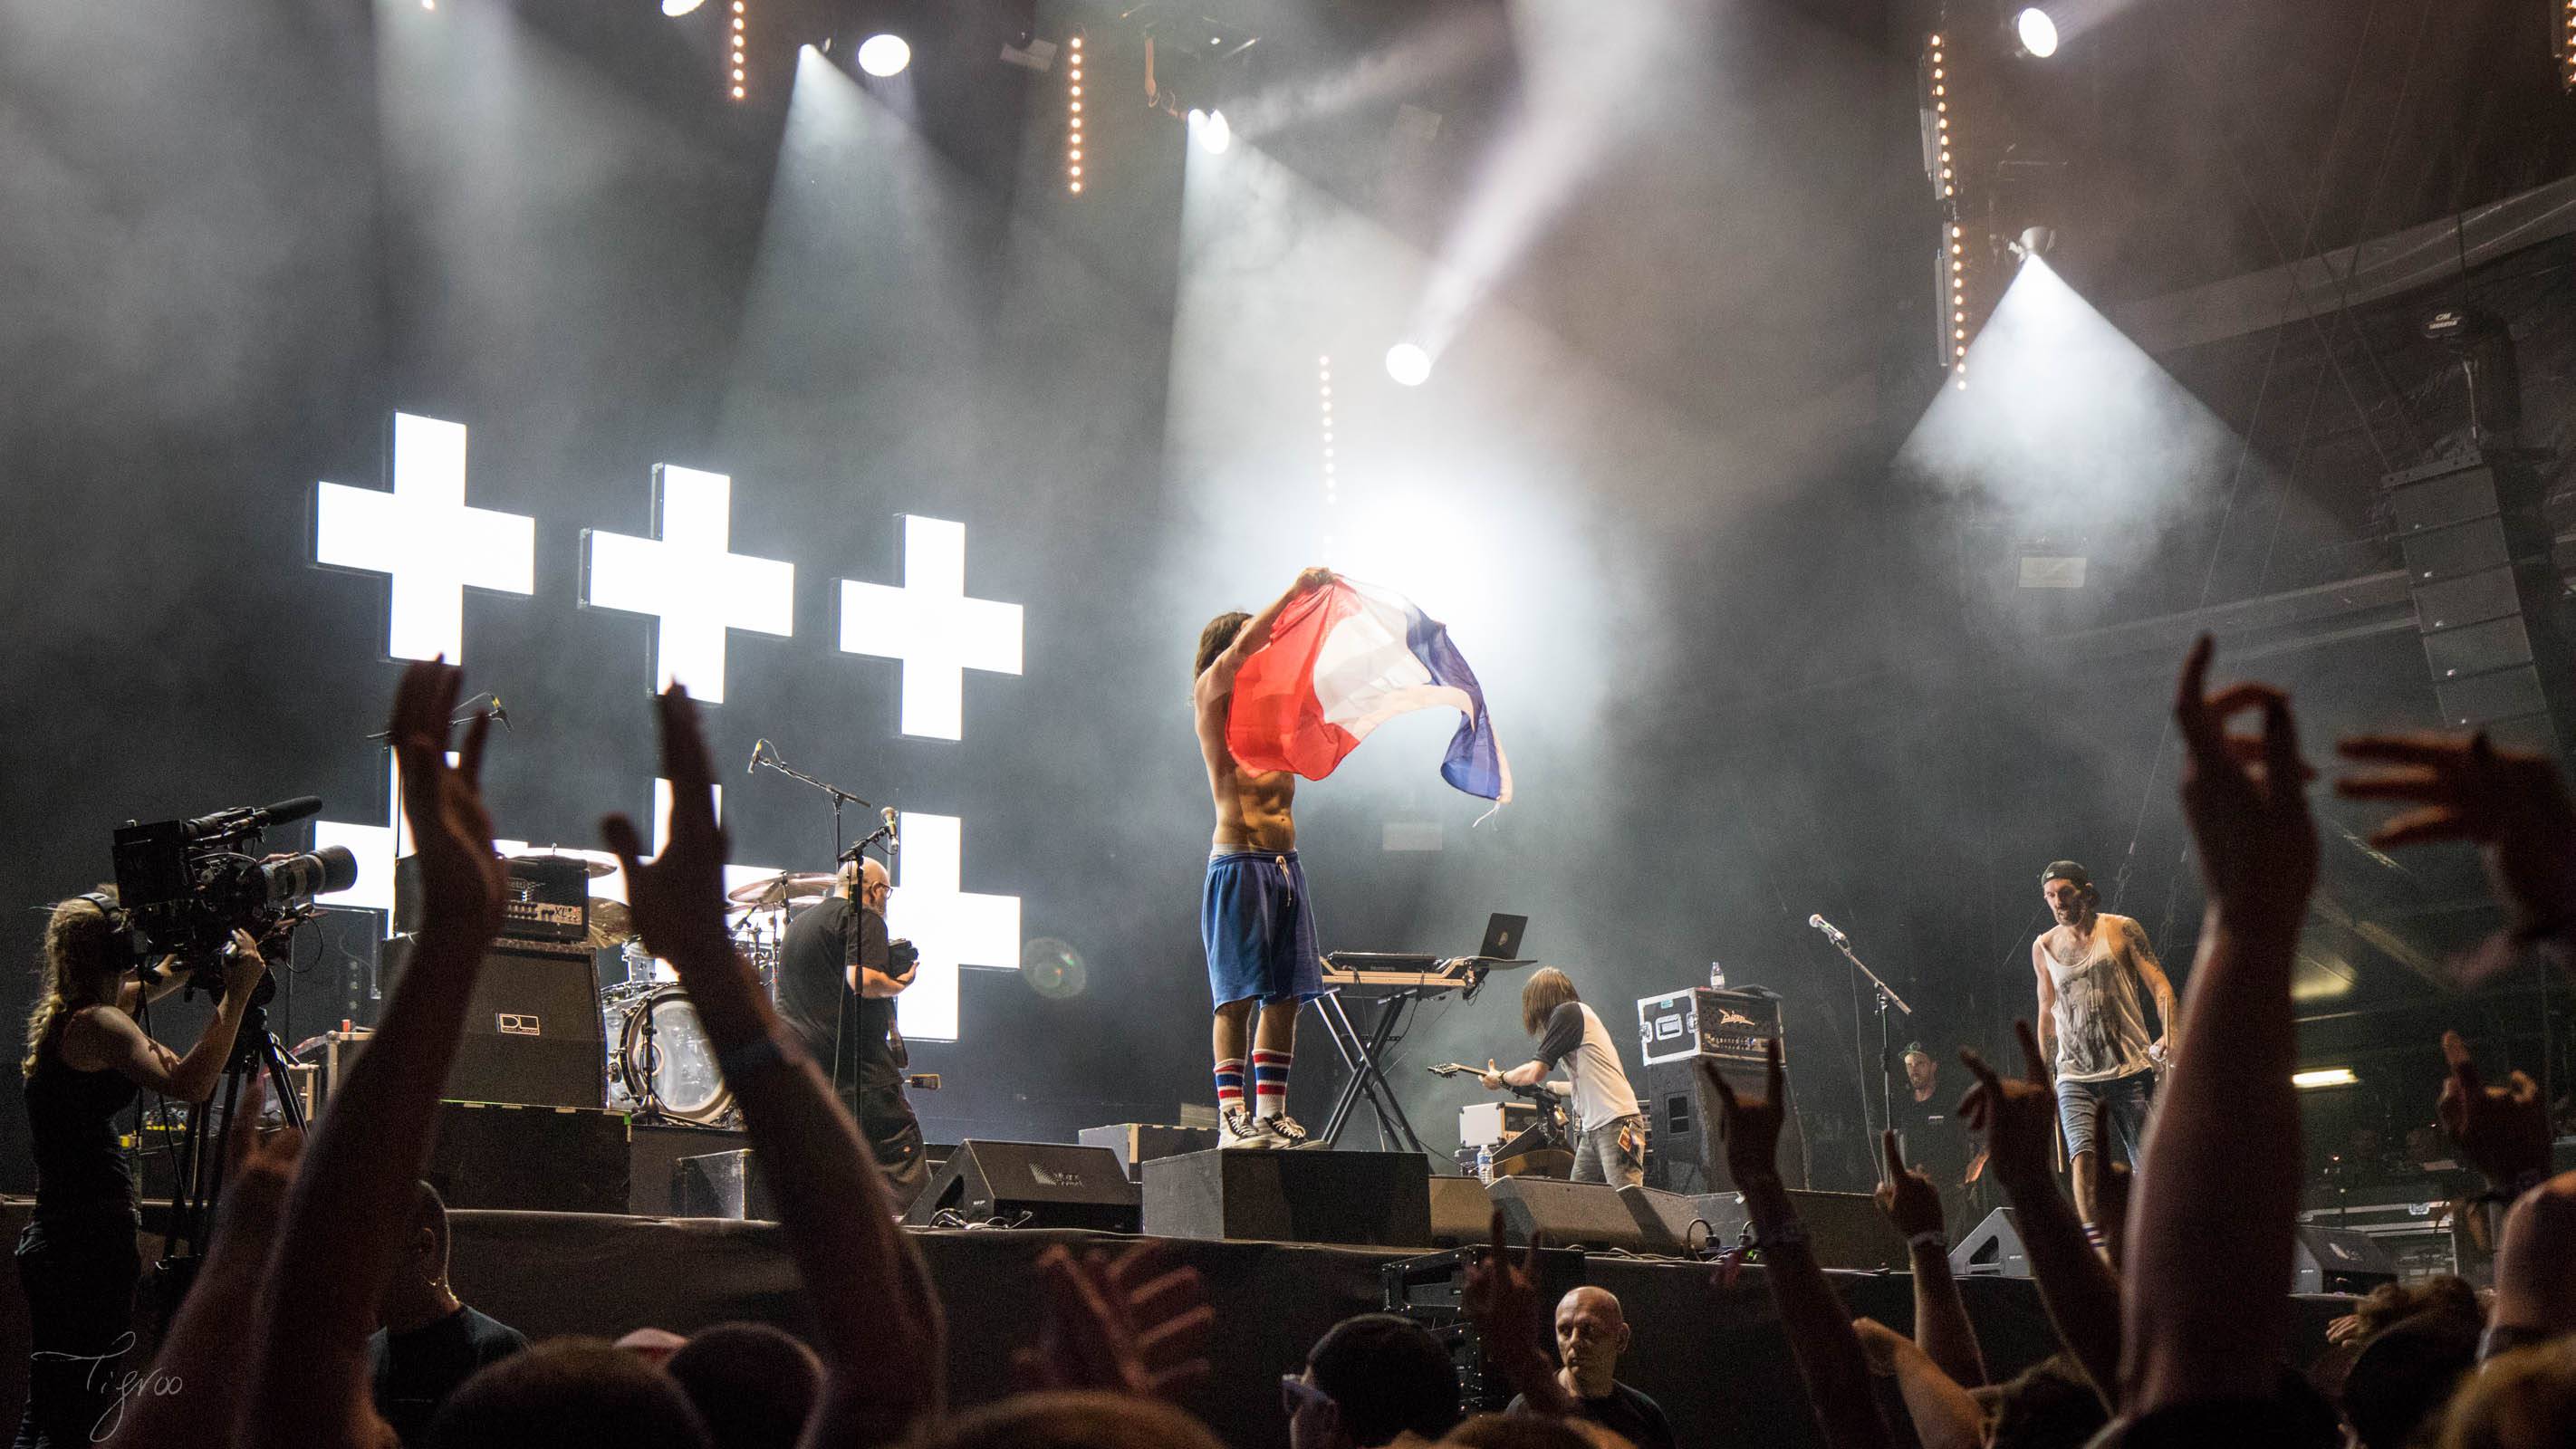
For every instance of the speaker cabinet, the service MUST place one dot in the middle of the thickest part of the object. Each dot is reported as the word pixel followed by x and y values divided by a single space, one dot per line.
pixel 532 1031
pixel 536 1159
pixel 1597 1215
pixel 1682 1117
pixel 1029 1184
pixel 2339 1260
pixel 1462 1212
pixel 1138 1143
pixel 720 1185
pixel 1992 1249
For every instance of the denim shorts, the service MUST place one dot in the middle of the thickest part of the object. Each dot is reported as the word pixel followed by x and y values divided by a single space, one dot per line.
pixel 2115 1110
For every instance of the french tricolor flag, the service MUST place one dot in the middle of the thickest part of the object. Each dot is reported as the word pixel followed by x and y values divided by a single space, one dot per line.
pixel 1345 659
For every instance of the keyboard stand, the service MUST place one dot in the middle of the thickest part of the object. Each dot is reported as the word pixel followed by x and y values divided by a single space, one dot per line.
pixel 1360 1052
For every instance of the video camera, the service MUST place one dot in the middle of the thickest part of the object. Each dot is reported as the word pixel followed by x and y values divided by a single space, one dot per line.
pixel 186 885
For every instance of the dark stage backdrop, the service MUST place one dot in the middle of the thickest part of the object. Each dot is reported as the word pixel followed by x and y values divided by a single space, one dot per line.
pixel 1743 674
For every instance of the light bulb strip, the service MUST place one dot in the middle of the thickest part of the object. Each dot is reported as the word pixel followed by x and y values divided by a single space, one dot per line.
pixel 1324 410
pixel 1073 147
pixel 1954 251
pixel 737 64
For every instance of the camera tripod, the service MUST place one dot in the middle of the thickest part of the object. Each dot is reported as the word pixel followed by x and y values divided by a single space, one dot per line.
pixel 201 1164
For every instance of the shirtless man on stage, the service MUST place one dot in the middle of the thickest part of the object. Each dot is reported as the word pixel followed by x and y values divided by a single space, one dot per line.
pixel 2093 1026
pixel 1254 914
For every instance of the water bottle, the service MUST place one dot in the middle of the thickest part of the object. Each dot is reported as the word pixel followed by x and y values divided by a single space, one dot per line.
pixel 1716 976
pixel 1485 1164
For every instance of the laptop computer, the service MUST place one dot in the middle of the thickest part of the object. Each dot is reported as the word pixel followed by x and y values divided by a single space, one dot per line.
pixel 1502 937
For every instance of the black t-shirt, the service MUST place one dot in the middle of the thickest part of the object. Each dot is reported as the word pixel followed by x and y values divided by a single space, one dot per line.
pixel 413 1373
pixel 1933 1135
pixel 1624 1412
pixel 814 982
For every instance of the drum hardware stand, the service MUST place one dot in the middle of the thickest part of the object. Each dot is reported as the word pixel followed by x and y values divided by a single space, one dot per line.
pixel 1886 997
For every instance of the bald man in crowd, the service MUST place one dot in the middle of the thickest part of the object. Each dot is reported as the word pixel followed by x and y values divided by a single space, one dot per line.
pixel 1591 1334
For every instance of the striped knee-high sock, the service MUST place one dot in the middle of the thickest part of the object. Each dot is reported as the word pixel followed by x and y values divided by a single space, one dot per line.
pixel 1229 1083
pixel 1270 1081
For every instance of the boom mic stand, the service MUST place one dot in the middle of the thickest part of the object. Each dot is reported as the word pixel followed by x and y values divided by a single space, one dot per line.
pixel 766 753
pixel 1886 997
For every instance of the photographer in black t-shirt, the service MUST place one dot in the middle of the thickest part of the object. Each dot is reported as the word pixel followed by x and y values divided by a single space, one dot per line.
pixel 838 977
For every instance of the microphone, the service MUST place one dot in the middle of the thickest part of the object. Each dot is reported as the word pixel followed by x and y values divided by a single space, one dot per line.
pixel 1821 924
pixel 756 747
pixel 892 844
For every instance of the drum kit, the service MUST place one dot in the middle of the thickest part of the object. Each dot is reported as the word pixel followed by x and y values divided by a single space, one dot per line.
pixel 660 1065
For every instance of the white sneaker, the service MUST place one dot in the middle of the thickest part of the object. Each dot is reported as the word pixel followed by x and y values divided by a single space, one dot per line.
pixel 1236 1129
pixel 1284 1130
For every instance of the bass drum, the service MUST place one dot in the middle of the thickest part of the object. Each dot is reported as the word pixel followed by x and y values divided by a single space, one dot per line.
pixel 677 1063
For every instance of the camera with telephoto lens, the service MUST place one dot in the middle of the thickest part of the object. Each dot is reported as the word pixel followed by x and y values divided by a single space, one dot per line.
pixel 186 885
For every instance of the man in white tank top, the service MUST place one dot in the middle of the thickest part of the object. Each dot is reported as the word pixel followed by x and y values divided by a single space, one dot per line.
pixel 2090 968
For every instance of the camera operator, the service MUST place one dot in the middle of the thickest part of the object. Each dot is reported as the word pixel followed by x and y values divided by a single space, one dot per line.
pixel 85 1060
pixel 834 948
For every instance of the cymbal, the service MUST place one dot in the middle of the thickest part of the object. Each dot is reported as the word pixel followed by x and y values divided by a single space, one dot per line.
pixel 589 867
pixel 611 924
pixel 778 890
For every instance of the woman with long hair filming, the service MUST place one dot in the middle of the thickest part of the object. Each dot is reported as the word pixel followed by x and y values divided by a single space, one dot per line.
pixel 86 1059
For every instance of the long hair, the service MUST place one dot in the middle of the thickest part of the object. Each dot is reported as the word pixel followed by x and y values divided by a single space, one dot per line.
pixel 79 950
pixel 1547 990
pixel 1217 636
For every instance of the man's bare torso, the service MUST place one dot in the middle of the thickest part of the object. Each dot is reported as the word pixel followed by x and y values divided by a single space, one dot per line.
pixel 1254 808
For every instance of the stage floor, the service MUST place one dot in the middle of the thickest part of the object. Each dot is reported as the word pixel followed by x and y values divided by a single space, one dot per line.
pixel 1713 1356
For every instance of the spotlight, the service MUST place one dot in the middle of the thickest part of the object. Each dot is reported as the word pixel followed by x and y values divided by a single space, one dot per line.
pixel 884 55
pixel 1408 364
pixel 677 8
pixel 1213 133
pixel 2035 241
pixel 2036 32
pixel 2324 1077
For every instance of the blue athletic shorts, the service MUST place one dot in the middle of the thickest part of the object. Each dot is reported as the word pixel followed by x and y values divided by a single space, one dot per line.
pixel 1259 929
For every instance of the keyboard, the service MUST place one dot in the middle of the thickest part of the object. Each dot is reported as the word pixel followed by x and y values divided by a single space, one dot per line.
pixel 1373 972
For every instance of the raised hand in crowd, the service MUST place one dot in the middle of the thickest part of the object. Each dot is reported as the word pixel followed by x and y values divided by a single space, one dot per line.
pixel 1133 1324
pixel 1821 1340
pixel 2210 1231
pixel 2535 1268
pixel 206 1357
pixel 2503 1131
pixel 350 1210
pixel 2076 1284
pixel 1502 1299
pixel 1941 1324
pixel 2512 804
pixel 883 1340
pixel 1945 1416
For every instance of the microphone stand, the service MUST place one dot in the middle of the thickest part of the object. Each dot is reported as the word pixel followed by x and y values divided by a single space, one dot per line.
pixel 840 797
pixel 1886 996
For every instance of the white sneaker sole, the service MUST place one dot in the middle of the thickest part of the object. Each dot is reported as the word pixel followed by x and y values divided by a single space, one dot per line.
pixel 1246 1144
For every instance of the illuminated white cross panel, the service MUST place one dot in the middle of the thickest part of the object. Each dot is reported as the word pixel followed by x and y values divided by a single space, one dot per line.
pixel 931 626
pixel 688 578
pixel 423 535
pixel 952 928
